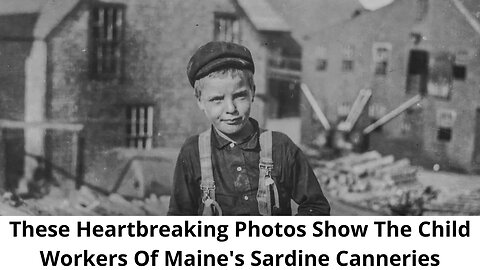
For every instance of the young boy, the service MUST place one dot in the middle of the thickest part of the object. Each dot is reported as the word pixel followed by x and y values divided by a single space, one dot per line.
pixel 228 169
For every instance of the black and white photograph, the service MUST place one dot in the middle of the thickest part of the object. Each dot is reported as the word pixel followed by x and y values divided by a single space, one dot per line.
pixel 239 107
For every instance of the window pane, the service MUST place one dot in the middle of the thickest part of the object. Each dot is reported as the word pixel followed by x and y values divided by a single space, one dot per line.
pixel 140 130
pixel 107 35
pixel 226 28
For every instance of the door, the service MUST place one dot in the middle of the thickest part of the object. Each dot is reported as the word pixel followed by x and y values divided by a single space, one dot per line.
pixel 283 108
pixel 13 151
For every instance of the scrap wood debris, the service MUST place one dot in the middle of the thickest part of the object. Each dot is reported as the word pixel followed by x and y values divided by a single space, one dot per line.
pixel 388 186
pixel 467 203
pixel 82 202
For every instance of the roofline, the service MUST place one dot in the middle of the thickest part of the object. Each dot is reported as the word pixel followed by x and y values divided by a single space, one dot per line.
pixel 52 28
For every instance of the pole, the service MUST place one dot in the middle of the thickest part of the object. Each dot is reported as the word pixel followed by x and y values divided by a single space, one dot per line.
pixel 389 116
pixel 316 108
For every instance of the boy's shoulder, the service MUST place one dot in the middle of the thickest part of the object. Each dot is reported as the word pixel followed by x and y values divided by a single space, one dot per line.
pixel 190 145
pixel 281 139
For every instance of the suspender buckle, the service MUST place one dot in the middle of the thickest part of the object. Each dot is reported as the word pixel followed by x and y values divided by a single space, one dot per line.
pixel 266 168
pixel 207 191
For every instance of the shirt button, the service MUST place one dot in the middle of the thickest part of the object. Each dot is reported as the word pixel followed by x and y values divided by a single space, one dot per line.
pixel 239 169
pixel 245 198
pixel 232 145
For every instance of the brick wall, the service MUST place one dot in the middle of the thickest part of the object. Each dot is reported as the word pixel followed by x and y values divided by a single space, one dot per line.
pixel 444 30
pixel 160 37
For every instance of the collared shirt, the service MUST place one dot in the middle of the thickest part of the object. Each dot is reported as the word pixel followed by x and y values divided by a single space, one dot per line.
pixel 236 174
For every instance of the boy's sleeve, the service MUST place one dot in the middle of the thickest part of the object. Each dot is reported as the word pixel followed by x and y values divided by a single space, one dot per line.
pixel 306 190
pixel 182 199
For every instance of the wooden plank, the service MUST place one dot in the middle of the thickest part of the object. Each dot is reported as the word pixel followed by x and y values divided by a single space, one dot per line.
pixel 397 165
pixel 316 108
pixel 372 164
pixel 356 110
pixel 391 115
pixel 43 125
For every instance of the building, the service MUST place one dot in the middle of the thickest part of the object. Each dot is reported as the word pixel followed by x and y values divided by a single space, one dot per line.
pixel 117 70
pixel 410 47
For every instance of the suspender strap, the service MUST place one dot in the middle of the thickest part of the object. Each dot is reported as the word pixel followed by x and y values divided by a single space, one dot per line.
pixel 207 184
pixel 266 185
pixel 267 189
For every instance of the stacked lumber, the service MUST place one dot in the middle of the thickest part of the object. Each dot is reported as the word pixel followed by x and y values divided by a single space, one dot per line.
pixel 364 172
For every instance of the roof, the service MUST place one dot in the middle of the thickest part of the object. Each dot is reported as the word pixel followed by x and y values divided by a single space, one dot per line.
pixel 263 16
pixel 29 19
pixel 8 7
pixel 51 14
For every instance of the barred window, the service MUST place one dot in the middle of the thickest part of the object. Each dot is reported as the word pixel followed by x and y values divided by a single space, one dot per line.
pixel 321 58
pixel 140 126
pixel 381 57
pixel 226 28
pixel 107 33
pixel 348 56
pixel 445 121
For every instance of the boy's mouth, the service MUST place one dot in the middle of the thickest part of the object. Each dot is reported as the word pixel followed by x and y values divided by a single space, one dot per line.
pixel 233 121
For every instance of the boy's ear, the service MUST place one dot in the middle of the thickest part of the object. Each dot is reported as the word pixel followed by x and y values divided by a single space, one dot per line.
pixel 253 93
pixel 200 104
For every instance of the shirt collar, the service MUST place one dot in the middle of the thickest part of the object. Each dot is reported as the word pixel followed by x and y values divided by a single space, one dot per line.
pixel 249 144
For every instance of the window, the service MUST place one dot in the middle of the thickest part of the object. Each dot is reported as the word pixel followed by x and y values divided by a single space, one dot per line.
pixel 348 55
pixel 462 57
pixel 417 72
pixel 444 134
pixel 459 72
pixel 140 126
pixel 343 109
pixel 321 59
pixel 445 121
pixel 107 31
pixel 440 75
pixel 381 57
pixel 226 28
pixel 375 112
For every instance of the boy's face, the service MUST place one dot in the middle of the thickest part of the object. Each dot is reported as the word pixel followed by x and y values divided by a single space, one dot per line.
pixel 226 102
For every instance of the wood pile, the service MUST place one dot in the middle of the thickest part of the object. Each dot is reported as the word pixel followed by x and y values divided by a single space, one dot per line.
pixel 365 172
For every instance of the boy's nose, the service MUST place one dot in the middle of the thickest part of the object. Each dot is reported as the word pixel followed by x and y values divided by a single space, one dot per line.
pixel 230 106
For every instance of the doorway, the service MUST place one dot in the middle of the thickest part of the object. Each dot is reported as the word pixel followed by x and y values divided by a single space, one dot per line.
pixel 283 110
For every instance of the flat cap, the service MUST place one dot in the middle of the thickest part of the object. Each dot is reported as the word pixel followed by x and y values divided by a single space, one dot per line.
pixel 217 55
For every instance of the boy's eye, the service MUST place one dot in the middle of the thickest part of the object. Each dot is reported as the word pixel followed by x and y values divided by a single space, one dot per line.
pixel 241 95
pixel 216 99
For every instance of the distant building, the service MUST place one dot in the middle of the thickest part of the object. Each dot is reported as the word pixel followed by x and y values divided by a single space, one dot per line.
pixel 119 69
pixel 406 48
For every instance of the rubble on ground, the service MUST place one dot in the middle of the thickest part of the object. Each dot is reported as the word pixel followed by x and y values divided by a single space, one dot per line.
pixel 388 186
pixel 81 202
pixel 467 203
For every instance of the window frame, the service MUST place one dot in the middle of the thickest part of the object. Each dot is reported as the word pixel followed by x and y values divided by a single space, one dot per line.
pixel 348 58
pixel 96 41
pixel 445 121
pixel 321 61
pixel 139 129
pixel 381 59
pixel 233 18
